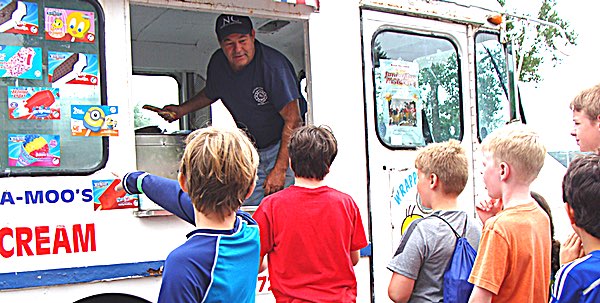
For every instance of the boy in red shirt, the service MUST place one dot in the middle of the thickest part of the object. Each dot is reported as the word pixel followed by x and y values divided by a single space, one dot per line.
pixel 311 233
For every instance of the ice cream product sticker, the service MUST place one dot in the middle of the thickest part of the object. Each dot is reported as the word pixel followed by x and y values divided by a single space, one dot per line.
pixel 68 25
pixel 94 120
pixel 21 62
pixel 72 68
pixel 33 150
pixel 33 103
pixel 106 197
pixel 19 17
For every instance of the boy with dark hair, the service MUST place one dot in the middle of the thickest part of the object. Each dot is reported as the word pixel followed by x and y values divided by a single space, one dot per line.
pixel 427 246
pixel 311 233
pixel 513 260
pixel 219 260
pixel 586 116
pixel 579 280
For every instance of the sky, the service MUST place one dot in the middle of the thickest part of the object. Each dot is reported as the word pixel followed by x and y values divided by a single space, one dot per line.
pixel 547 103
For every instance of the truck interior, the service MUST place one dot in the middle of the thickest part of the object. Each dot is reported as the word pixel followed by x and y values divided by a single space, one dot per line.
pixel 171 49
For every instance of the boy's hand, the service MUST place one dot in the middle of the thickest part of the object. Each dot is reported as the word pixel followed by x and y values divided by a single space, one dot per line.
pixel 571 249
pixel 488 208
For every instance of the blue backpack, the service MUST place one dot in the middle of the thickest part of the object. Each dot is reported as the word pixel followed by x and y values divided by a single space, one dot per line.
pixel 457 288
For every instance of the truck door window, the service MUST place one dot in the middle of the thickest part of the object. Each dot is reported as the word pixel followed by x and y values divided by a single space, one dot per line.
pixel 417 89
pixel 492 84
pixel 154 90
pixel 52 91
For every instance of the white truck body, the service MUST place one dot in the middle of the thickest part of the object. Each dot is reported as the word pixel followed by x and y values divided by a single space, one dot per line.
pixel 57 248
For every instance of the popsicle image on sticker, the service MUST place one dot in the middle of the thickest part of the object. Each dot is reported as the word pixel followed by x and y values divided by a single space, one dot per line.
pixel 33 103
pixel 33 150
pixel 19 17
pixel 69 25
pixel 22 62
pixel 94 120
pixel 72 68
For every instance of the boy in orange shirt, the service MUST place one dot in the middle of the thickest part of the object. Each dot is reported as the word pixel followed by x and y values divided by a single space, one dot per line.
pixel 513 260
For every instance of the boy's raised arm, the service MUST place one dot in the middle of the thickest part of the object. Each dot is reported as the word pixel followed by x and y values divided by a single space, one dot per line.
pixel 165 192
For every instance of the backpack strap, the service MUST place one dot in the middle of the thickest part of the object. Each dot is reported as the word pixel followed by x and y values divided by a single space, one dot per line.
pixel 452 228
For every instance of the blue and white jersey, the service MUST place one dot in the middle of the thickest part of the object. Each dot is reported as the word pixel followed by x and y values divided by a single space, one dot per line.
pixel 578 281
pixel 214 265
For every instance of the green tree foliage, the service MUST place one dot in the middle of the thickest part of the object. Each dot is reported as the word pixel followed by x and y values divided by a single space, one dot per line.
pixel 545 39
pixel 139 120
pixel 441 114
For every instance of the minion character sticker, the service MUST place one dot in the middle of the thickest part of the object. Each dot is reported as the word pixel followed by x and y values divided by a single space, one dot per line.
pixel 68 25
pixel 94 120
pixel 33 150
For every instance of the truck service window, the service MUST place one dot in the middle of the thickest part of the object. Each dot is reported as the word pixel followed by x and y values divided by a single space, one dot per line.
pixel 492 83
pixel 417 89
pixel 53 110
pixel 155 90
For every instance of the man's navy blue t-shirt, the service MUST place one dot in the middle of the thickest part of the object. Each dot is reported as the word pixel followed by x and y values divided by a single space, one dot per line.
pixel 255 95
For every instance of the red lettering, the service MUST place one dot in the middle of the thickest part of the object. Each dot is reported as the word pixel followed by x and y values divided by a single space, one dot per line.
pixel 263 281
pixel 23 243
pixel 90 238
pixel 5 231
pixel 18 241
pixel 40 239
pixel 61 240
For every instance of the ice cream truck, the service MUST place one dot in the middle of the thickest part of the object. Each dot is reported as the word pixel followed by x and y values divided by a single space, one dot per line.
pixel 388 77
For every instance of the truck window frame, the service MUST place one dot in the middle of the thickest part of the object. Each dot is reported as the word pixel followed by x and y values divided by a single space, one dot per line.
pixel 40 41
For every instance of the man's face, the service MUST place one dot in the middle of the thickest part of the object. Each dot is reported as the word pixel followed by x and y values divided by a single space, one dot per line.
pixel 586 131
pixel 491 175
pixel 239 50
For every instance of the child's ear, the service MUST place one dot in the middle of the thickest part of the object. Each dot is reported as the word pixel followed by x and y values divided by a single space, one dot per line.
pixel 504 171
pixel 570 213
pixel 251 190
pixel 181 179
pixel 434 181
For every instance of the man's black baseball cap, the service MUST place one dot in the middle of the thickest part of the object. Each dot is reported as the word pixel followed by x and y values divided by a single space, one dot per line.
pixel 232 24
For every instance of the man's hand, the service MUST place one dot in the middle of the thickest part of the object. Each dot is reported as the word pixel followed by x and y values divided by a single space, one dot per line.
pixel 171 112
pixel 488 208
pixel 571 249
pixel 275 181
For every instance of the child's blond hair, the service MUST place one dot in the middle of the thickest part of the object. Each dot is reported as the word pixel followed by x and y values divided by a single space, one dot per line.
pixel 448 161
pixel 588 102
pixel 518 146
pixel 219 165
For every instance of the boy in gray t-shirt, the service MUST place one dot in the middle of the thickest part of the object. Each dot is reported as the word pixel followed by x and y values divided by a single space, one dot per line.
pixel 426 247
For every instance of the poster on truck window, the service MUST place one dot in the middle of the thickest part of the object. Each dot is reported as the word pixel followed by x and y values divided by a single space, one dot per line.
pixel 106 197
pixel 33 150
pixel 21 62
pixel 94 120
pixel 398 104
pixel 19 17
pixel 33 103
pixel 69 25
pixel 72 68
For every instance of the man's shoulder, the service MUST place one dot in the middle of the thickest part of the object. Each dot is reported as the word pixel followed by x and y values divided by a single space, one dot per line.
pixel 217 58
pixel 272 58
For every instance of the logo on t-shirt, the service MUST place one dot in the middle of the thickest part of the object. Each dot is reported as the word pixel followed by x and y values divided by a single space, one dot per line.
pixel 260 95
